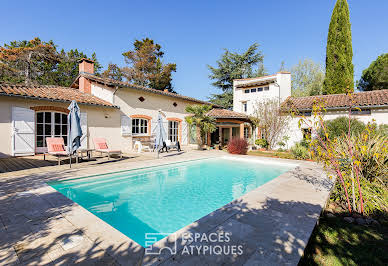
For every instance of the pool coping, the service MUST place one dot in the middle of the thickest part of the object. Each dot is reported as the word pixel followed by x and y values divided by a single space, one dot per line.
pixel 97 230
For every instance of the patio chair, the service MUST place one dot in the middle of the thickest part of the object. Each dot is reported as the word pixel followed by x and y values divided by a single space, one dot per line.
pixel 171 145
pixel 101 146
pixel 142 146
pixel 56 147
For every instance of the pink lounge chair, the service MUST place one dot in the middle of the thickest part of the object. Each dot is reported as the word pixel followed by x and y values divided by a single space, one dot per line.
pixel 56 147
pixel 101 146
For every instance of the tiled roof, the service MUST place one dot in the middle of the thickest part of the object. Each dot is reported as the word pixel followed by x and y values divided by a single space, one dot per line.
pixel 224 113
pixel 111 82
pixel 51 93
pixel 359 99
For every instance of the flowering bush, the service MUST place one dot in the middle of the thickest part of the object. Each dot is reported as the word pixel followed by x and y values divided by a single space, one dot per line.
pixel 358 158
pixel 238 146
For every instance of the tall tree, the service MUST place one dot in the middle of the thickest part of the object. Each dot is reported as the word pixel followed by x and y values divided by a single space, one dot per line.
pixel 67 69
pixel 306 78
pixel 375 77
pixel 145 66
pixel 38 62
pixel 27 61
pixel 339 52
pixel 234 66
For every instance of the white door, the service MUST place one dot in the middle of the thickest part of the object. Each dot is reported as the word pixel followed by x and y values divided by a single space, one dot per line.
pixel 185 133
pixel 23 131
pixel 84 128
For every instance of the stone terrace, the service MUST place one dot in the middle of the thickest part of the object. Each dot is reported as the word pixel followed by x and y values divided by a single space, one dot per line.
pixel 38 225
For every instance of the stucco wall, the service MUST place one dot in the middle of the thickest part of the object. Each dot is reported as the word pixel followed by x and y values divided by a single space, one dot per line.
pixel 128 101
pixel 281 89
pixel 102 122
pixel 294 132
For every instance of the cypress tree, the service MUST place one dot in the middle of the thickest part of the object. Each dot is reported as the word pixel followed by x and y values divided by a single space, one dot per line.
pixel 339 52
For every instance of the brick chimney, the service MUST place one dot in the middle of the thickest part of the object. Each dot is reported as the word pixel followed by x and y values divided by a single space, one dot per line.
pixel 86 66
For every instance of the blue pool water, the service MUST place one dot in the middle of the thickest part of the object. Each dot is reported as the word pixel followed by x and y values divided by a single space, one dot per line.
pixel 166 198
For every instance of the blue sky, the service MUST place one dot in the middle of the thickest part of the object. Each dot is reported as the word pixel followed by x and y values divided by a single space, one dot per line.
pixel 194 33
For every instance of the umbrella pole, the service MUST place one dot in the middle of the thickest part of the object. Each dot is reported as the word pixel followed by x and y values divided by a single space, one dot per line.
pixel 70 160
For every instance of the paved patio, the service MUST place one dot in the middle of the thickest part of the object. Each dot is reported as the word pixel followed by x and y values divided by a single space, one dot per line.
pixel 272 223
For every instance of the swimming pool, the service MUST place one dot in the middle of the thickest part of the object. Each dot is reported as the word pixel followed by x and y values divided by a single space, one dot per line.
pixel 164 199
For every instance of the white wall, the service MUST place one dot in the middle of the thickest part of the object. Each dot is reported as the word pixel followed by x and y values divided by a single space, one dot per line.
pixel 279 89
pixel 128 101
pixel 294 132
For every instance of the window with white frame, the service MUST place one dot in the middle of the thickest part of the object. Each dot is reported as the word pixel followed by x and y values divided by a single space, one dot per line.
pixel 246 91
pixel 139 126
pixel 245 106
pixel 50 124
pixel 253 90
pixel 246 133
pixel 266 88
pixel 173 131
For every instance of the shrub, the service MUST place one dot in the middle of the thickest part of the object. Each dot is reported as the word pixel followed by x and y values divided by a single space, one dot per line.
pixel 238 146
pixel 338 127
pixel 371 154
pixel 262 143
pixel 300 151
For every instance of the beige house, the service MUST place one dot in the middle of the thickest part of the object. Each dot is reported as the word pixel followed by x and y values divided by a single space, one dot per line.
pixel 119 111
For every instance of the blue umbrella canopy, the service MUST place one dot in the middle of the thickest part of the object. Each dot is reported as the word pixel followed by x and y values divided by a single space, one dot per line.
pixel 161 135
pixel 74 132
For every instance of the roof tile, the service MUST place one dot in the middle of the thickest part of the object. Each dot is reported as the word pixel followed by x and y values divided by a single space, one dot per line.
pixel 56 93
pixel 359 99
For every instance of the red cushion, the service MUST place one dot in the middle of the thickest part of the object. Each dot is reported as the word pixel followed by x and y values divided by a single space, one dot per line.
pixel 57 147
pixel 102 146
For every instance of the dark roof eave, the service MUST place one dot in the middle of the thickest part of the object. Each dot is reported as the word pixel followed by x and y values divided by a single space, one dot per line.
pixel 55 100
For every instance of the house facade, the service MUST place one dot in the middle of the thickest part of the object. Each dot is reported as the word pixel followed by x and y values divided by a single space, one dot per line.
pixel 367 106
pixel 120 112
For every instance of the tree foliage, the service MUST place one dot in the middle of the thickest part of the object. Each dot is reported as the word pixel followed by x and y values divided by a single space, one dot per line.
pixel 268 118
pixel 339 52
pixel 39 62
pixel 145 66
pixel 113 72
pixel 224 99
pixel 306 78
pixel 375 77
pixel 235 66
pixel 27 61
pixel 204 123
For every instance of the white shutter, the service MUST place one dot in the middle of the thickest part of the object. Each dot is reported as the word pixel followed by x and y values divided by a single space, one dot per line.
pixel 23 131
pixel 84 127
pixel 185 133
pixel 126 126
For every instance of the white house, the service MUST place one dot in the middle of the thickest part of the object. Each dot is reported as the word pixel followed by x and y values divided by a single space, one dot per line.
pixel 247 92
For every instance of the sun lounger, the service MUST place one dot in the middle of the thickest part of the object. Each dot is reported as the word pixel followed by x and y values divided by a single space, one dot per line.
pixel 56 147
pixel 101 146
pixel 172 145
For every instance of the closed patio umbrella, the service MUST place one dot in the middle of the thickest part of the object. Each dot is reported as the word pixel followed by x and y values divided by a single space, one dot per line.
pixel 161 135
pixel 74 132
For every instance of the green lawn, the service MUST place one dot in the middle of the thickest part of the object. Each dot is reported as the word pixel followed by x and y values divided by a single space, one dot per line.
pixel 336 242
